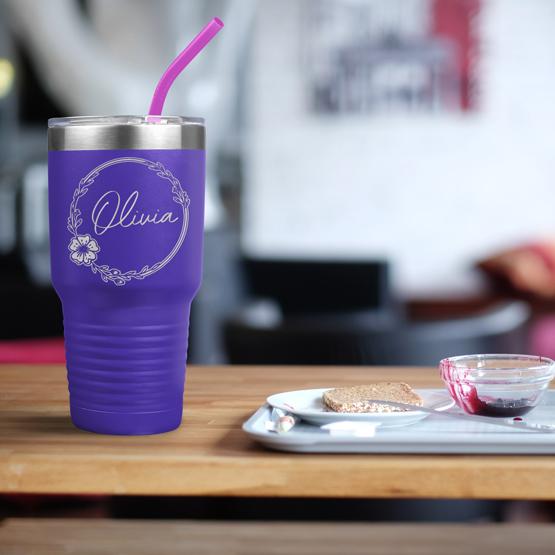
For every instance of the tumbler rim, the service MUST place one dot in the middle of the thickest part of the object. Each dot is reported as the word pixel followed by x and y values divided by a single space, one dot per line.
pixel 126 133
pixel 124 120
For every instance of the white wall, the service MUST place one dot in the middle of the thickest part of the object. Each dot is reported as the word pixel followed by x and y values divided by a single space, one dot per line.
pixel 432 194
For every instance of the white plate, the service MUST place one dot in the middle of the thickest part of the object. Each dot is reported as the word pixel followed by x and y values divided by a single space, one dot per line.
pixel 308 405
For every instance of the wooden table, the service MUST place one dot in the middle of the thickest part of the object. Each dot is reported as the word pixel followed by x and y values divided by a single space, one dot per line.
pixel 105 537
pixel 41 452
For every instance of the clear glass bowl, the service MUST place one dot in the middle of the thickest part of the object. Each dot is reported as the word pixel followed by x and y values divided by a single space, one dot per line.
pixel 497 385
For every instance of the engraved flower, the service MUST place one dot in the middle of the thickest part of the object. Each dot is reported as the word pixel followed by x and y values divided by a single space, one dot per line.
pixel 83 249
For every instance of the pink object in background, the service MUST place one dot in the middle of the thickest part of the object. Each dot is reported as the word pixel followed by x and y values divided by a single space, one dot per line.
pixel 542 336
pixel 180 63
pixel 33 351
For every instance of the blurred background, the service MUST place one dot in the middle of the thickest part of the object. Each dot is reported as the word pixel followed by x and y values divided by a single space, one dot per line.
pixel 379 171
pixel 380 176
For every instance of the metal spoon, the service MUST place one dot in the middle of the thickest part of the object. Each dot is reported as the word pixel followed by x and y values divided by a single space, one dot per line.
pixel 514 424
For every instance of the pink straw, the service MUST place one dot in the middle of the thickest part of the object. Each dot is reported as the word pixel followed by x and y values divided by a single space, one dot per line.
pixel 180 63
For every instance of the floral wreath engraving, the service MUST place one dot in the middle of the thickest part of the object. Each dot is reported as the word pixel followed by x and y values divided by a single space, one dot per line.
pixel 84 249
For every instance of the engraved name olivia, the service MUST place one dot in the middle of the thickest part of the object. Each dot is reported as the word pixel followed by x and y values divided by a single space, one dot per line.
pixel 110 212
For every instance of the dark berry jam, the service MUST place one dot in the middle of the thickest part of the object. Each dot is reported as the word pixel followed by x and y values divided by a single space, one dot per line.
pixel 488 406
pixel 503 408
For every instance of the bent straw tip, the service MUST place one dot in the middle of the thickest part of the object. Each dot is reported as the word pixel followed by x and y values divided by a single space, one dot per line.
pixel 181 62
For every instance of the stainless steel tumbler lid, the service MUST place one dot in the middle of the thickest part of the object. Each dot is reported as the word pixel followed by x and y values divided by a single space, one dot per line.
pixel 126 132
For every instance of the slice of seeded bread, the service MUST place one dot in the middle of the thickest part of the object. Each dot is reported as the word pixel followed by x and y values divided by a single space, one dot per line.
pixel 359 397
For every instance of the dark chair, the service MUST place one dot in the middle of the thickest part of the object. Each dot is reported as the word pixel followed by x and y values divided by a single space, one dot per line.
pixel 320 286
pixel 260 334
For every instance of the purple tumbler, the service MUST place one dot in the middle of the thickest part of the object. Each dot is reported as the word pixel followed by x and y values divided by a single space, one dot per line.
pixel 126 202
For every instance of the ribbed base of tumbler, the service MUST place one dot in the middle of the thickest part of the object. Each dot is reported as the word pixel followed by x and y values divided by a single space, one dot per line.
pixel 126 366
pixel 117 423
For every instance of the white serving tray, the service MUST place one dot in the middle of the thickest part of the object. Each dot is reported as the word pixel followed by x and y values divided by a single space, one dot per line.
pixel 435 434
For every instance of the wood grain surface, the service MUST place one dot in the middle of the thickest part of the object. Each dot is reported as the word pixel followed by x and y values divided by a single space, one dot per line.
pixel 41 451
pixel 107 537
